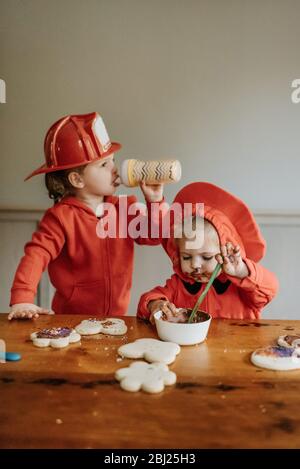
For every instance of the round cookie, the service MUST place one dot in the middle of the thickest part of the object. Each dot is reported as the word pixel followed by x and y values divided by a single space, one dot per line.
pixel 109 326
pixel 89 327
pixel 277 358
pixel 113 326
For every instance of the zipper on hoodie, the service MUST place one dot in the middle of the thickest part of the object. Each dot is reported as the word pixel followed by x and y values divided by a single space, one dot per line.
pixel 108 295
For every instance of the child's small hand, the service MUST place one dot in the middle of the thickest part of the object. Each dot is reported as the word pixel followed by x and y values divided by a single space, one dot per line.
pixel 169 309
pixel 152 192
pixel 231 261
pixel 27 311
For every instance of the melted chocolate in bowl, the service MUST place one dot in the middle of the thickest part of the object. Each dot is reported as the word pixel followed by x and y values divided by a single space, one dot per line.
pixel 183 316
pixel 183 333
pixel 200 316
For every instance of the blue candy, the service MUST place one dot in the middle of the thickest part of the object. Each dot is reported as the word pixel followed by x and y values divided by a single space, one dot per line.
pixel 10 356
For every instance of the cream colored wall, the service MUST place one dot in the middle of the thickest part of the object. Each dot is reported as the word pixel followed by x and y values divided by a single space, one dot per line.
pixel 207 82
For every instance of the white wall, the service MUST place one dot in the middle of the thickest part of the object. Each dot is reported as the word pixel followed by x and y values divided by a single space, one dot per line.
pixel 207 82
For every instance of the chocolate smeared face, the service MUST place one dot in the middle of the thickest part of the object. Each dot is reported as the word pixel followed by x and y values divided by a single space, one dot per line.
pixel 54 333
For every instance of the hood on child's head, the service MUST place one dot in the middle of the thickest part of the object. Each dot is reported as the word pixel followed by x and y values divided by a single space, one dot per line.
pixel 230 216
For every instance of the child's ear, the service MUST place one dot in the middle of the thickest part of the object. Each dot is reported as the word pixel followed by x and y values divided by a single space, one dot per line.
pixel 76 180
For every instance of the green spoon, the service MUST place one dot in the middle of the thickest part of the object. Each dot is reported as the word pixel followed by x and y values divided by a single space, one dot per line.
pixel 204 293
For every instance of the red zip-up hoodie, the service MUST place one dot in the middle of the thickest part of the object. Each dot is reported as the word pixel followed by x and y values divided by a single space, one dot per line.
pixel 91 275
pixel 229 297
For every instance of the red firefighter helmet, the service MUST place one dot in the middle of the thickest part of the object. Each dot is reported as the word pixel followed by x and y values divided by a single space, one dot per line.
pixel 74 141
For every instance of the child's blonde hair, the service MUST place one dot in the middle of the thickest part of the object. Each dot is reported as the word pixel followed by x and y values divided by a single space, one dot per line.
pixel 206 225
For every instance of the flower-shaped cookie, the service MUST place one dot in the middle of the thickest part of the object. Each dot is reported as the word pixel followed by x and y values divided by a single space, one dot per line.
pixel 289 341
pixel 152 350
pixel 110 326
pixel 150 377
pixel 56 337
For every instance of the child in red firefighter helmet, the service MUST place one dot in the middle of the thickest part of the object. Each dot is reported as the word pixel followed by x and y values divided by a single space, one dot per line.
pixel 92 275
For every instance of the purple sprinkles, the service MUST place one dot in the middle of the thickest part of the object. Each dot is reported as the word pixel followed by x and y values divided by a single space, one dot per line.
pixel 54 333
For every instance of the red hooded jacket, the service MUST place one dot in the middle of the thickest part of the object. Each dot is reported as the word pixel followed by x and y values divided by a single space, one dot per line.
pixel 229 297
pixel 91 275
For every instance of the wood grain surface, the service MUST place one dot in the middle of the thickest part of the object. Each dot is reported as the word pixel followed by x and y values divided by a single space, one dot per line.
pixel 69 398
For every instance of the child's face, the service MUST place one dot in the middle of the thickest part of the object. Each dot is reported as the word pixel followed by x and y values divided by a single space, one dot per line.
pixel 101 177
pixel 199 264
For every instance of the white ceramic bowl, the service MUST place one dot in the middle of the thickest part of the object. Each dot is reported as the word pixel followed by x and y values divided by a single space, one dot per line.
pixel 181 333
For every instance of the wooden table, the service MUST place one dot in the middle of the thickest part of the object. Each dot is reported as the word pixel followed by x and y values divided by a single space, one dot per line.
pixel 68 398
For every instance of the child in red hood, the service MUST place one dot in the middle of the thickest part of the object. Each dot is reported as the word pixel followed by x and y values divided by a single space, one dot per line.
pixel 232 239
pixel 92 275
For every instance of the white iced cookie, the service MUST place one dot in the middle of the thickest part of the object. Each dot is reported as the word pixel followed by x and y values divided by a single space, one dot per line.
pixel 56 337
pixel 110 326
pixel 289 341
pixel 150 377
pixel 277 358
pixel 152 350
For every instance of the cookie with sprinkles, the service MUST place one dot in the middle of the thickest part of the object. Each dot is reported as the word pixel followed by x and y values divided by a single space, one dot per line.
pixel 56 337
pixel 289 341
pixel 277 358
pixel 109 326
